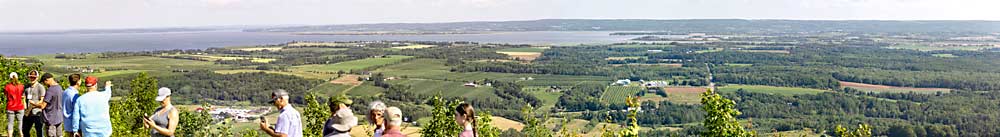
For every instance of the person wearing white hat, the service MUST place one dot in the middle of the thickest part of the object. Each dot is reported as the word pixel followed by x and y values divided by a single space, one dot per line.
pixel 15 105
pixel 164 121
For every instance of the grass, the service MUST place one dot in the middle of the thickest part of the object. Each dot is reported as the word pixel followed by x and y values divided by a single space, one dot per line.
pixel 414 47
pixel 531 49
pixel 549 99
pixel 618 94
pixel 435 69
pixel 523 55
pixel 131 63
pixel 220 57
pixel 303 74
pixel 766 51
pixel 892 89
pixel 624 58
pixel 445 88
pixel 312 49
pixel 260 48
pixel 350 65
pixel 709 50
pixel 683 95
pixel 944 55
pixel 770 89
pixel 738 65
pixel 330 89
pixel 113 73
pixel 925 47
pixel 642 46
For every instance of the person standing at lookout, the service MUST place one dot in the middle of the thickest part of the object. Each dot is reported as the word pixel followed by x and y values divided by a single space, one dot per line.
pixel 165 119
pixel 52 107
pixel 68 104
pixel 289 122
pixel 15 105
pixel 393 122
pixel 92 107
pixel 465 117
pixel 376 118
pixel 340 123
pixel 33 118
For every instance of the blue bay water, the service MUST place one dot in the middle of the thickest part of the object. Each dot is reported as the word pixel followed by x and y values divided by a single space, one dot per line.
pixel 34 44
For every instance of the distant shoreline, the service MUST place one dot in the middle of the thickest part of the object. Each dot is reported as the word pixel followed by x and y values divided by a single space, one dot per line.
pixel 390 33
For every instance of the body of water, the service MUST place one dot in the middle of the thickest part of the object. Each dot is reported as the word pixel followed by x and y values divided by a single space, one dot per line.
pixel 21 45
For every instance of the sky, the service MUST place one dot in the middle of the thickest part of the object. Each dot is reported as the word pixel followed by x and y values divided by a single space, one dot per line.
pixel 31 15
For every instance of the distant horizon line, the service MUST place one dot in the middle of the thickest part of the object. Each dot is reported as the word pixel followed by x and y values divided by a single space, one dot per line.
pixel 247 26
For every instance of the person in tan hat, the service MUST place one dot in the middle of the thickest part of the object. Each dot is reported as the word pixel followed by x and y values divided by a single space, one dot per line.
pixel 342 120
pixel 394 122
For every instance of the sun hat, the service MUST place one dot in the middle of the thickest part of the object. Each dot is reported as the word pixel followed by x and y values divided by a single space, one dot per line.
pixel 344 120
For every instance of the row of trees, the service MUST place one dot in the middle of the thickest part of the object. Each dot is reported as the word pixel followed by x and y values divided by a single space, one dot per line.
pixel 197 86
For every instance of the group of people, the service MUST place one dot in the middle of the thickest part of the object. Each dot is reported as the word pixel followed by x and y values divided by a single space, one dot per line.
pixel 43 105
pixel 386 121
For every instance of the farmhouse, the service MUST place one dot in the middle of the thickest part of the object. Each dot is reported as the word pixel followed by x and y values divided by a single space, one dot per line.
pixel 655 84
pixel 471 84
pixel 622 82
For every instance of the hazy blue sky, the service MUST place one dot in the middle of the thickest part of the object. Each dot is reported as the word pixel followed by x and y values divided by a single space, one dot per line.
pixel 17 15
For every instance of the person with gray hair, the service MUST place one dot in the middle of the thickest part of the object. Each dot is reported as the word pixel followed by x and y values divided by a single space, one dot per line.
pixel 376 109
pixel 289 122
pixel 393 122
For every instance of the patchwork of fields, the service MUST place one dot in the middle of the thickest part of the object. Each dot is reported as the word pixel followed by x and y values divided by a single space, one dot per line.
pixel 351 65
pixel 770 89
pixel 618 94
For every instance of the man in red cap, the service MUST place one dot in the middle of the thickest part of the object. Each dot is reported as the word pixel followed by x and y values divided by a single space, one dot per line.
pixel 91 113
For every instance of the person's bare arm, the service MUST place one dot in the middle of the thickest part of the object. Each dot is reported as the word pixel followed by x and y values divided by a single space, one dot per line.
pixel 171 127
pixel 269 130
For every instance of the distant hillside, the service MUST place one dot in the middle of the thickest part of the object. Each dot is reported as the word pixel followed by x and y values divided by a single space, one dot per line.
pixel 696 25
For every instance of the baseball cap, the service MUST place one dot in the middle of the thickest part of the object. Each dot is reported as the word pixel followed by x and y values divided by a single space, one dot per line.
pixel 91 81
pixel 394 116
pixel 162 93
pixel 276 94
pixel 13 75
pixel 344 120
